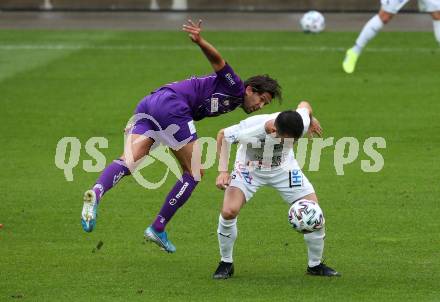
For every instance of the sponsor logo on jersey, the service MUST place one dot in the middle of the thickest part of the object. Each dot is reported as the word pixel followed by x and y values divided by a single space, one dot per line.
pixel 230 79
pixel 231 138
pixel 214 105
pixel 242 171
pixel 172 201
pixel 246 176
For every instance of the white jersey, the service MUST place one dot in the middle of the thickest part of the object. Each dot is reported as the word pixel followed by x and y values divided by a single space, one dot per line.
pixel 258 149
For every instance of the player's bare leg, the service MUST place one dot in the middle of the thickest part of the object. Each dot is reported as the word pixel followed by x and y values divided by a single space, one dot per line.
pixel 369 31
pixel 188 157
pixel 311 196
pixel 137 146
pixel 233 201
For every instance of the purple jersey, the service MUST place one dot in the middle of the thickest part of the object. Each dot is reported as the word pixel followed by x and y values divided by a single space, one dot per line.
pixel 211 95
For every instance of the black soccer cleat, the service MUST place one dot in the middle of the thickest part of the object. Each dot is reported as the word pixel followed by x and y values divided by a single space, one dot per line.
pixel 322 270
pixel 224 270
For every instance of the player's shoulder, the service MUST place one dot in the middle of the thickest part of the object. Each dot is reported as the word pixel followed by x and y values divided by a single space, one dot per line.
pixel 230 78
pixel 273 115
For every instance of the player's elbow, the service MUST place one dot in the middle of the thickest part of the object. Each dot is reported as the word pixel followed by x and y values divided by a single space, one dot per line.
pixel 305 104
pixel 218 64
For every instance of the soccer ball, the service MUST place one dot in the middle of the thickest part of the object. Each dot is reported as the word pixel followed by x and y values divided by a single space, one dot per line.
pixel 312 22
pixel 306 216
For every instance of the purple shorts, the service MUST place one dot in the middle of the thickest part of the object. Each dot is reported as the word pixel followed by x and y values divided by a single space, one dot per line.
pixel 166 118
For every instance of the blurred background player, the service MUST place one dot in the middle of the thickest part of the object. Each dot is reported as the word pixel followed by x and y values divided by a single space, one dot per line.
pixel 179 103
pixel 269 161
pixel 374 25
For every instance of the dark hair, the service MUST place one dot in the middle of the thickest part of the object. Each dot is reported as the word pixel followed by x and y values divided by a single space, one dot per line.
pixel 264 83
pixel 289 124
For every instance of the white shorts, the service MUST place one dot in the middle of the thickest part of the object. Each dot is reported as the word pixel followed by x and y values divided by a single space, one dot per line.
pixel 394 6
pixel 429 6
pixel 292 185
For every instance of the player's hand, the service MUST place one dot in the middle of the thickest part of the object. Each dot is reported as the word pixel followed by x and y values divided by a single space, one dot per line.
pixel 193 30
pixel 314 128
pixel 222 181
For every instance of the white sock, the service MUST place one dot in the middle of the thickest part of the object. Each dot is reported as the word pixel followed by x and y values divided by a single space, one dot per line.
pixel 315 246
pixel 370 30
pixel 227 233
pixel 436 24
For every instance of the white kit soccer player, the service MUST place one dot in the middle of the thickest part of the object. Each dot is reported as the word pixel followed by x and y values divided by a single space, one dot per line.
pixel 265 157
pixel 389 8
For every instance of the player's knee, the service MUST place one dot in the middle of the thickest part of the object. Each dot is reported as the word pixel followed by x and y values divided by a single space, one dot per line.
pixel 229 213
pixel 385 17
pixel 130 158
pixel 435 15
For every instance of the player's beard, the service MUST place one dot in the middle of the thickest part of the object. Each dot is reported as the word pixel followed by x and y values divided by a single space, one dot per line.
pixel 247 109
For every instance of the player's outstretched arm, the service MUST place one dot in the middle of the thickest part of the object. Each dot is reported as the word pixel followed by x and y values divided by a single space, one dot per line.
pixel 314 128
pixel 210 52
pixel 315 125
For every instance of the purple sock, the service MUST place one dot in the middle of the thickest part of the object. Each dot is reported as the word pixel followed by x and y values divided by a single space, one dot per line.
pixel 111 175
pixel 177 197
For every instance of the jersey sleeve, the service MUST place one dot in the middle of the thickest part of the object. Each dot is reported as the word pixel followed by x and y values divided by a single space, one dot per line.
pixel 305 115
pixel 230 81
pixel 252 127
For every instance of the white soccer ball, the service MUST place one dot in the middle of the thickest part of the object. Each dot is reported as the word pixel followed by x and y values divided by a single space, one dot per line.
pixel 312 22
pixel 306 216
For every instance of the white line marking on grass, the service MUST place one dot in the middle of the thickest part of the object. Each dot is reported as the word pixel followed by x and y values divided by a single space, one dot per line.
pixel 181 47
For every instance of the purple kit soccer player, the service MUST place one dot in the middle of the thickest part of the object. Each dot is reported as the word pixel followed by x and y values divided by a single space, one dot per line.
pixel 175 107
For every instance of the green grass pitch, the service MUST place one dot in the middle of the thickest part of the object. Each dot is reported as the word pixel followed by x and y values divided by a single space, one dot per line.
pixel 382 228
